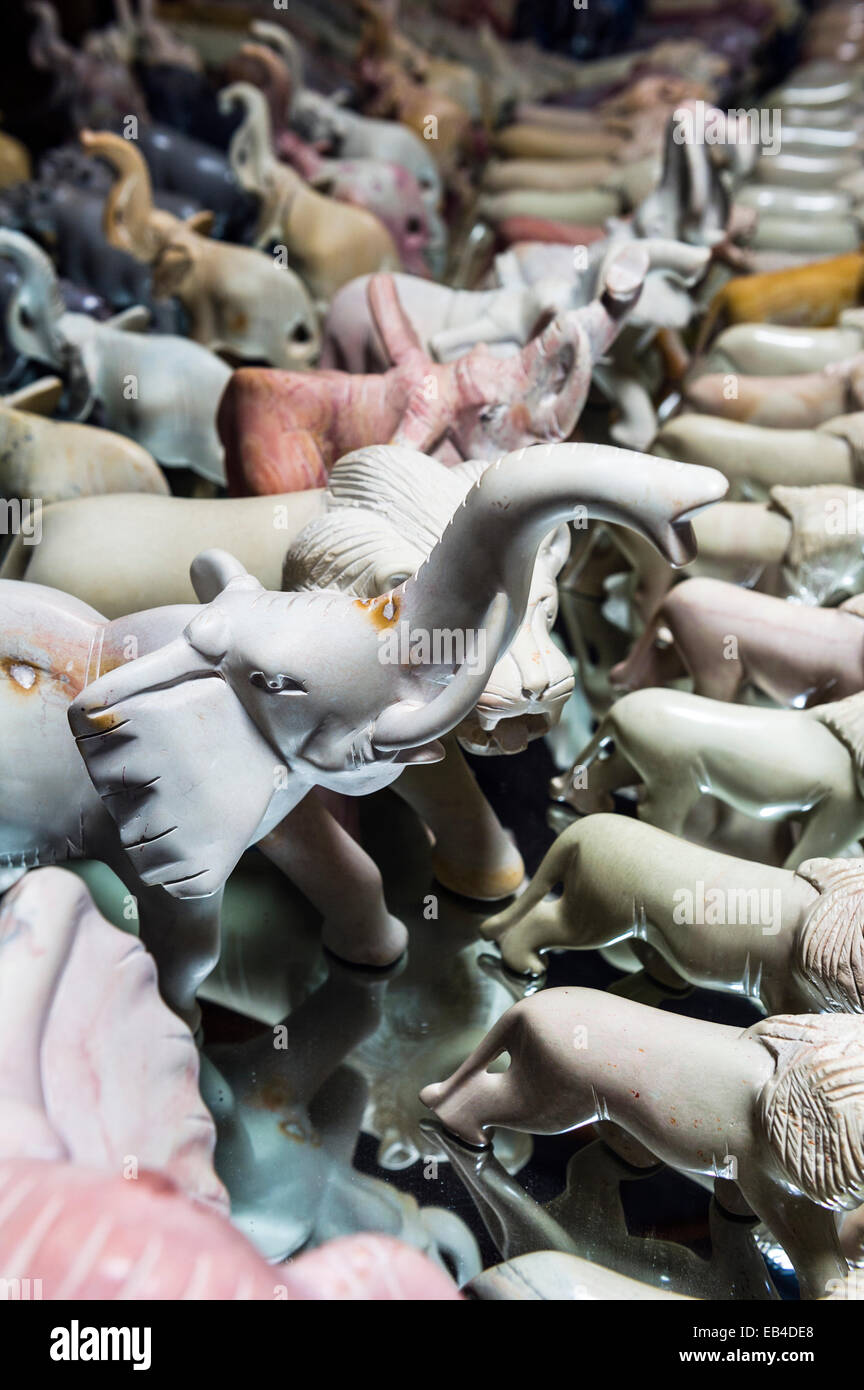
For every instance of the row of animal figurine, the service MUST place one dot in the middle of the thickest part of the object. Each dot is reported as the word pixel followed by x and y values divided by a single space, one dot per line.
pixel 379 401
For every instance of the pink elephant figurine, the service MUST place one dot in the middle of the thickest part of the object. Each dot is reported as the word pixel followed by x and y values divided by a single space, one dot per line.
pixel 726 637
pixel 284 430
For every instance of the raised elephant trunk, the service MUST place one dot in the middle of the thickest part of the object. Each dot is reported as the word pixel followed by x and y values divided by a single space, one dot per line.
pixel 251 149
pixel 520 499
pixel 130 219
pixel 283 43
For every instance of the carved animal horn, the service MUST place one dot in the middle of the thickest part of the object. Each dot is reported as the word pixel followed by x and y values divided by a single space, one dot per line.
pixel 128 216
pixel 250 152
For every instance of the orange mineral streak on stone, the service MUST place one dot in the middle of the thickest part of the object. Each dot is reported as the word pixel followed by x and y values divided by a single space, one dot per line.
pixel 383 612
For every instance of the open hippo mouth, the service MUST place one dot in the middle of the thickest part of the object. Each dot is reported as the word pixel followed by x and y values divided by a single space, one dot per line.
pixel 491 734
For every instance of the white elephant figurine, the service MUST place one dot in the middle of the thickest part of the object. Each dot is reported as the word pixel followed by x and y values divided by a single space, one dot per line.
pixel 791 941
pixel 385 507
pixel 784 1099
pixel 161 391
pixel 203 729
pixel 771 764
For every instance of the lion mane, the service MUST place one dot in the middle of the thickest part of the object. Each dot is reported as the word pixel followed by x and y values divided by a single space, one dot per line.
pixel 845 719
pixel 830 944
pixel 812 1108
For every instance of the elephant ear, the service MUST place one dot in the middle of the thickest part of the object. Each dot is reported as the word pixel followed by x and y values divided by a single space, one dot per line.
pixel 177 761
pixel 170 269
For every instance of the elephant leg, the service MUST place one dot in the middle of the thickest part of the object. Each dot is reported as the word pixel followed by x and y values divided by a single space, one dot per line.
pixel 183 937
pixel 338 877
pixel 807 1232
pixel 473 853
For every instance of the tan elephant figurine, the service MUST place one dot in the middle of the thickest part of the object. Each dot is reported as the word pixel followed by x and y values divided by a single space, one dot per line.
pixel 238 299
pixel 329 242
pixel 784 1099
pixel 790 941
pixel 56 459
pixel 727 637
pixel 771 764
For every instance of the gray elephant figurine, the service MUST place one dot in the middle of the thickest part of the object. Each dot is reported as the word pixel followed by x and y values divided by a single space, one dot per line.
pixel 791 941
pixel 202 729
pixel 784 1099
pixel 161 391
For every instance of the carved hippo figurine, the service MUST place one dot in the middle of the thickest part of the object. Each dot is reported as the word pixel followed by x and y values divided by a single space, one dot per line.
pixel 785 1097
pixel 679 747
pixel 790 941
pixel 237 299
pixel 726 637
pixel 812 295
pixel 329 242
pixel 283 431
pixel 763 349
pixel 161 391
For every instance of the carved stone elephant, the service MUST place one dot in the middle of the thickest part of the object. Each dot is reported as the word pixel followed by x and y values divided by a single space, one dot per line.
pixel 161 391
pixel 346 134
pixel 694 1094
pixel 788 941
pixel 150 697
pixel 726 637
pixel 121 553
pixel 237 299
pixel 282 430
pixel 54 460
pixel 813 295
pixel 388 190
pixel 328 242
pixel 384 507
pixel 771 764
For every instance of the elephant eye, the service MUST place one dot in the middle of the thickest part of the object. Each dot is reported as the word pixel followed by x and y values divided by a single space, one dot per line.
pixel 278 684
